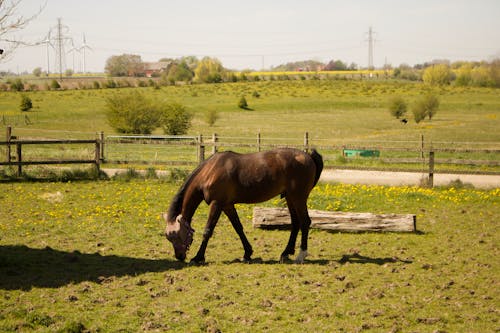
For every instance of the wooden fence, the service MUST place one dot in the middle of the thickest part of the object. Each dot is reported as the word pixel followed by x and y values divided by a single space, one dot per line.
pixel 211 144
pixel 18 160
pixel 191 150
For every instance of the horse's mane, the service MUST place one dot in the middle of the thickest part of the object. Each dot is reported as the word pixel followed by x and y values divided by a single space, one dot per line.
pixel 176 204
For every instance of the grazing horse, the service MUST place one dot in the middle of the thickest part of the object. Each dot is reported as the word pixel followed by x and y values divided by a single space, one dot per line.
pixel 228 178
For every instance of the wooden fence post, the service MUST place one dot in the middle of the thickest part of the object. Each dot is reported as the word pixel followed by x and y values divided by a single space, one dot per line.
pixel 431 169
pixel 201 149
pixel 422 146
pixel 306 141
pixel 98 155
pixel 258 142
pixel 214 140
pixel 19 159
pixel 101 148
pixel 8 138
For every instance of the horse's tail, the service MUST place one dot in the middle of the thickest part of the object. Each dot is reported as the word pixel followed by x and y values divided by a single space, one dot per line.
pixel 318 161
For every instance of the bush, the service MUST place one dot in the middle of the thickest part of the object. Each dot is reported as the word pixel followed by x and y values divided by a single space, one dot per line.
pixel 175 119
pixel 425 107
pixel 242 104
pixel 132 113
pixel 211 117
pixel 431 105
pixel 418 111
pixel 397 107
pixel 26 103
pixel 17 85
pixel 54 85
pixel 110 84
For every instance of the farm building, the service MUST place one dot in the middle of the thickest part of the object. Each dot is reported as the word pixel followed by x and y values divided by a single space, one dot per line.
pixel 152 69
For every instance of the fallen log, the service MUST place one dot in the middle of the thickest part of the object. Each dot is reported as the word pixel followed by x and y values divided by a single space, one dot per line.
pixel 279 218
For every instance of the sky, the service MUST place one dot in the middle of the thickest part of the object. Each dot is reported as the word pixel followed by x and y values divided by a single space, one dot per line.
pixel 259 34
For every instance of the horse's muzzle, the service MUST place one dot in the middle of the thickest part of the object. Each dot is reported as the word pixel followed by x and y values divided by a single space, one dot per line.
pixel 180 256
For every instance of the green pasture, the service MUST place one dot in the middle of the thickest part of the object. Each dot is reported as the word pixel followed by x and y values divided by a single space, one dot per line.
pixel 90 257
pixel 333 112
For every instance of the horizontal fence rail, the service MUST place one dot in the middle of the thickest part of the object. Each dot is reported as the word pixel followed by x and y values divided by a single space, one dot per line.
pixel 19 159
pixel 412 155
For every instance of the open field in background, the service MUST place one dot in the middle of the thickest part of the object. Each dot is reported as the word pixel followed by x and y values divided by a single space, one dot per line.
pixel 89 256
pixel 333 112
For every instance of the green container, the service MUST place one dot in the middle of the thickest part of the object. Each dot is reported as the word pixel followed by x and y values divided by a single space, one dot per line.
pixel 361 153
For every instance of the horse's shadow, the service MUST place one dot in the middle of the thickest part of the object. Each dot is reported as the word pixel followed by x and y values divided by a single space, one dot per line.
pixel 347 258
pixel 23 268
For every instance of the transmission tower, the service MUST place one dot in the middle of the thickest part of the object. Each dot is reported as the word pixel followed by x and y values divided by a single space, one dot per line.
pixel 60 40
pixel 370 48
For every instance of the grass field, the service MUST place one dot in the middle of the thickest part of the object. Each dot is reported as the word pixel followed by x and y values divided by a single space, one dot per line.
pixel 333 112
pixel 90 257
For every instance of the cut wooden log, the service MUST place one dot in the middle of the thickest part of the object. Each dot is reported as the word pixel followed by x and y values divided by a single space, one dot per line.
pixel 279 218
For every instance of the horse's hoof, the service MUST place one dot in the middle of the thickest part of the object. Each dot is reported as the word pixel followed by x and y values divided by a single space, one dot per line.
pixel 197 261
pixel 246 260
pixel 300 258
pixel 284 259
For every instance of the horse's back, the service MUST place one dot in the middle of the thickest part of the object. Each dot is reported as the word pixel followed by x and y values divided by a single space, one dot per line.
pixel 257 177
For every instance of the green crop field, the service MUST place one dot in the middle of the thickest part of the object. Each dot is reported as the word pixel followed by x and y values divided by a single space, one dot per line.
pixel 90 257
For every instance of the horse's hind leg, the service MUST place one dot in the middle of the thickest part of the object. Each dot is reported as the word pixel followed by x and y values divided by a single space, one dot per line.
pixel 231 213
pixel 290 247
pixel 305 220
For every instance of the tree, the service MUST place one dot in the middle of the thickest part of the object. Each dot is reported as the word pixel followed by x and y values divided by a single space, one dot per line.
pixel 336 65
pixel 131 113
pixel 124 65
pixel 398 107
pixel 426 106
pixel 418 111
pixel 11 22
pixel 431 103
pixel 178 72
pixel 437 75
pixel 209 70
pixel 37 72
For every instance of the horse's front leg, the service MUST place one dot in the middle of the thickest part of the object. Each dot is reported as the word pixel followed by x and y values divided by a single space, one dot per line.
pixel 231 213
pixel 213 217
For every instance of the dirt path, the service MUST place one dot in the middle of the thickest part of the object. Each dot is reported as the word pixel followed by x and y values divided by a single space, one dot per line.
pixel 388 178
pixel 405 178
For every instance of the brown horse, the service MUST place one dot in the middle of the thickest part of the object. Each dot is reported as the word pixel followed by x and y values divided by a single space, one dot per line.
pixel 228 178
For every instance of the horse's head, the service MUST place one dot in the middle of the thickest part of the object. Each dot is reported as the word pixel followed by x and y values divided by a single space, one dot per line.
pixel 180 234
